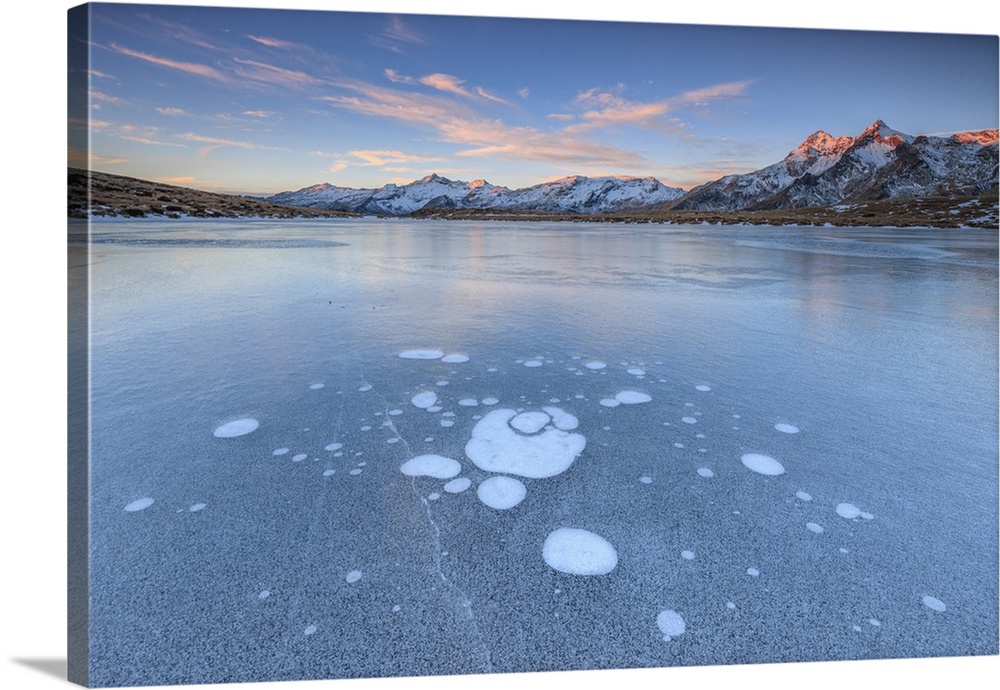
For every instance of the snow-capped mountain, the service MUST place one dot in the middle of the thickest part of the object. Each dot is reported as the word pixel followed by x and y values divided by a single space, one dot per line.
pixel 573 194
pixel 880 163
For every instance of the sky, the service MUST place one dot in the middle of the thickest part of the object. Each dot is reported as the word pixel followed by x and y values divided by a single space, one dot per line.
pixel 258 101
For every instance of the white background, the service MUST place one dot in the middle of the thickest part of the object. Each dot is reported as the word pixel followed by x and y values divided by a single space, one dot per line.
pixel 33 383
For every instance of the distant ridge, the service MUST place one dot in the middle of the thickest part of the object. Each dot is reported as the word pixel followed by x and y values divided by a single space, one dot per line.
pixel 878 164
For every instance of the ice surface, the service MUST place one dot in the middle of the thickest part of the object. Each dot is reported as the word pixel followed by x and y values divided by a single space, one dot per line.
pixel 762 464
pixel 431 465
pixel 501 492
pixel 579 552
pixel 496 446
pixel 239 427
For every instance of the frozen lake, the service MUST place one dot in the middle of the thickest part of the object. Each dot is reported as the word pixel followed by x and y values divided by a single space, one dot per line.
pixel 393 448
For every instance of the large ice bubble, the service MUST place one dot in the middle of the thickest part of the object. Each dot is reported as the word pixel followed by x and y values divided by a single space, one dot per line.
pixel 501 493
pixel 430 465
pixel 579 552
pixel 421 354
pixel 762 464
pixel 497 446
pixel 238 427
pixel 671 624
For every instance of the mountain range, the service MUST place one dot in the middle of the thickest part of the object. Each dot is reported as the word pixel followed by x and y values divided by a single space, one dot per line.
pixel 880 163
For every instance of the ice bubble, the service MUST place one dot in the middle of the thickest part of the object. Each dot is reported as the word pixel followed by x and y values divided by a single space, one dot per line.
pixel 762 464
pixel 397 607
pixel 366 428
pixel 753 572
pixel 441 383
pixel 490 401
pixel 533 363
pixel 264 595
pixel 280 451
pixel 802 495
pixel 579 552
pixel 705 472
pixel 458 485
pixel 355 472
pixel 635 371
pixel 867 516
pixel 468 402
pixel 435 408
pixel 238 427
pixel 447 422
pixel 395 439
pixel 688 420
pixel 501 492
pixel 813 527
pixel 875 622
pixel 316 386
pixel 496 447
pixel 687 555
pixel 299 457
pixel 334 446
pixel 933 603
pixel 632 397
pixel 196 507
pixel 610 402
pixel 138 505
pixel 454 359
pixel 421 354
pixel 327 473
pixel 787 428
pixel 365 388
pixel 393 413
pixel 436 466
pixel 671 624
pixel 309 630
pixel 730 605
pixel 530 422
pixel 646 480
pixel 848 510
pixel 595 365
pixel 678 445
pixel 702 388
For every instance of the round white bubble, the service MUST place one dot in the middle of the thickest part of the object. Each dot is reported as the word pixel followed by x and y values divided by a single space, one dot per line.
pixel 802 495
pixel 490 401
pixel 848 511
pixel 530 422
pixel 786 428
pixel 610 402
pixel 316 386
pixel 762 464
pixel 562 419
pixel 595 365
pixel 671 624
pixel 753 572
pixel 633 397
pixel 454 359
pixel 934 603
pixel 688 420
pixel 237 427
pixel 421 354
pixel 280 451
pixel 424 400
pixel 353 576
pixel 458 485
pixel 497 447
pixel 702 388
pixel 705 472
pixel 579 552
pixel 436 466
pixel 140 504
pixel 468 402
pixel 334 446
pixel 813 527
pixel 501 493
pixel 533 363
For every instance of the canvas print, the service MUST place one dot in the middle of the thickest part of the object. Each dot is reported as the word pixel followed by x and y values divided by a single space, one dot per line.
pixel 418 345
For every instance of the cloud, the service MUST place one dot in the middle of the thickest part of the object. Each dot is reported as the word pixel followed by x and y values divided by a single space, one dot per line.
pixel 213 143
pixel 524 93
pixel 269 74
pixel 561 117
pixel 397 78
pixel 277 43
pixel 446 83
pixel 337 166
pixel 490 97
pixel 188 67
pixel 398 30
pixel 260 114
pixel 381 158
pixel 99 96
pixel 700 97
pixel 171 111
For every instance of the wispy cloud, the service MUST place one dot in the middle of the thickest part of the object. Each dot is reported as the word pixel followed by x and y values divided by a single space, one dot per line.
pixel 276 43
pixel 397 78
pixel 259 114
pixel 277 76
pixel 383 158
pixel 197 69
pixel 396 35
pixel 106 98
pixel 446 83
pixel 171 111
pixel 213 143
